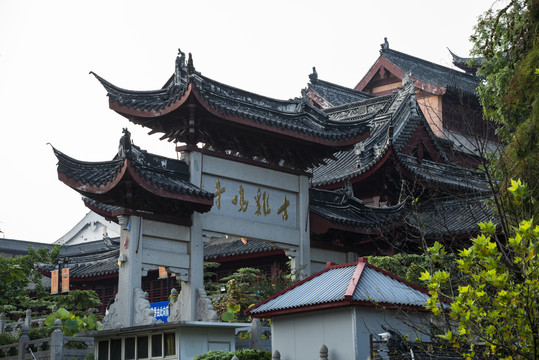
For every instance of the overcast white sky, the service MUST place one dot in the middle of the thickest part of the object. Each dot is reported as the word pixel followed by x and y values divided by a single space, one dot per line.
pixel 47 49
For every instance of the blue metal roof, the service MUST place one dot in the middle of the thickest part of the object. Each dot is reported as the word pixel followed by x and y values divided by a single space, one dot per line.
pixel 330 286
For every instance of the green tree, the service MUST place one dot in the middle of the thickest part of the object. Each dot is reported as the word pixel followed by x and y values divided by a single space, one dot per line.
pixel 16 289
pixel 499 303
pixel 22 289
pixel 246 287
pixel 72 323
pixel 507 39
pixel 503 38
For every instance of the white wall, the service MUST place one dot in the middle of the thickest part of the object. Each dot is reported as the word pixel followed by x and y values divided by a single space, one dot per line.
pixel 344 331
pixel 370 321
pixel 299 337
pixel 199 340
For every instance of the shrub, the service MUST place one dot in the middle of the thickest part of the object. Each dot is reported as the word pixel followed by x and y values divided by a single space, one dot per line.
pixel 243 354
pixel 7 339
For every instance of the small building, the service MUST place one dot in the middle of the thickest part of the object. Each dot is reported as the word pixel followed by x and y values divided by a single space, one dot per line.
pixel 340 307
pixel 176 340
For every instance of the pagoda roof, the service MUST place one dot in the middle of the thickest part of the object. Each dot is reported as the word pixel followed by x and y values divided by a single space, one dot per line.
pixel 427 75
pixel 394 119
pixel 192 108
pixel 469 65
pixel 327 94
pixel 339 209
pixel 136 181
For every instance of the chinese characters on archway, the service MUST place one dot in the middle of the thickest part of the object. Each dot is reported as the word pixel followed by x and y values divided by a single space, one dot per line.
pixel 261 206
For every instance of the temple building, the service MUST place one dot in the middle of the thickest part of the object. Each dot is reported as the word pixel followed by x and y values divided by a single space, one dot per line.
pixel 446 96
pixel 329 176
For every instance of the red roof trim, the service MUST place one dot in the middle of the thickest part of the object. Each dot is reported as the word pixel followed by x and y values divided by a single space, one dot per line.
pixel 361 176
pixel 379 63
pixel 355 278
pixel 395 70
pixel 347 301
pixel 163 193
pixel 102 189
pixel 336 305
pixel 275 130
pixel 303 309
pixel 110 215
pixel 124 110
pixel 318 99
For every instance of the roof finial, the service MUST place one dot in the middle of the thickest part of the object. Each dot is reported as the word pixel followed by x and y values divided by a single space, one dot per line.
pixel 385 45
pixel 314 75
pixel 125 143
pixel 407 79
pixel 180 64
pixel 190 66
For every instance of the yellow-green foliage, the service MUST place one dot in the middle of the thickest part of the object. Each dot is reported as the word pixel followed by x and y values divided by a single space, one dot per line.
pixel 499 305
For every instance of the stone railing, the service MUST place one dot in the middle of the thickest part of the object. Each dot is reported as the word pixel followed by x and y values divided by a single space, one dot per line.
pixel 56 347
pixel 255 340
pixel 15 327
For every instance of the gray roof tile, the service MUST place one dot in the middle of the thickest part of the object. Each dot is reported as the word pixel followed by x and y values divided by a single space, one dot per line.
pixel 432 73
pixel 330 286
pixel 336 94
pixel 341 208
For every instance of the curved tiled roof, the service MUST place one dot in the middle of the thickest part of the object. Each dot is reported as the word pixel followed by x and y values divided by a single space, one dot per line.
pixel 343 209
pixel 135 180
pixel 335 94
pixel 287 117
pixel 87 260
pixel 448 175
pixel 451 216
pixel 430 72
pixel 163 173
pixel 393 119
pixel 233 246
pixel 295 115
pixel 338 286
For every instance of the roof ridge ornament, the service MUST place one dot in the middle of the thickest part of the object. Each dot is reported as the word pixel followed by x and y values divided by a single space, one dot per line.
pixel 125 143
pixel 314 76
pixel 190 65
pixel 180 65
pixel 384 45
pixel 348 189
pixel 407 80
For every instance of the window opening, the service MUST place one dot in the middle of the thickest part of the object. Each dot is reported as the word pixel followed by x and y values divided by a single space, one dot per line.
pixel 157 346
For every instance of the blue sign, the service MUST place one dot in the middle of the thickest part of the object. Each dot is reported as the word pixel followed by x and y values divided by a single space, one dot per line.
pixel 161 310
